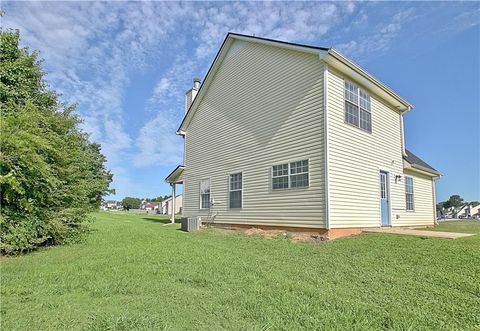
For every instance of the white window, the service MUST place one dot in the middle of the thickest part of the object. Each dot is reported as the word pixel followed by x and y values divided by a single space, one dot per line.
pixel 357 107
pixel 280 176
pixel 409 192
pixel 290 175
pixel 235 190
pixel 205 194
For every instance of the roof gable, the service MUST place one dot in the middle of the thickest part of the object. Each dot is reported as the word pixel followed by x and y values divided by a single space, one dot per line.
pixel 329 55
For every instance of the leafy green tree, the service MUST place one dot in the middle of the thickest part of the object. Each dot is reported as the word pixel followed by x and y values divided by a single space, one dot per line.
pixel 454 201
pixel 440 206
pixel 131 203
pixel 157 199
pixel 51 175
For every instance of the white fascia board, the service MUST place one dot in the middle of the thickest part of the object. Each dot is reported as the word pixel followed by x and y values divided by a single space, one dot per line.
pixel 344 65
pixel 418 169
pixel 331 57
pixel 204 87
pixel 277 43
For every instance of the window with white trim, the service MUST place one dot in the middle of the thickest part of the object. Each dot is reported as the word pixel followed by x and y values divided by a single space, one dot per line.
pixel 357 107
pixel 235 190
pixel 205 194
pixel 290 175
pixel 409 193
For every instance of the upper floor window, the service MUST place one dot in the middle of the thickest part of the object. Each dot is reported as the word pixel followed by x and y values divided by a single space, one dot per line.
pixel 235 190
pixel 205 194
pixel 357 107
pixel 409 193
pixel 290 175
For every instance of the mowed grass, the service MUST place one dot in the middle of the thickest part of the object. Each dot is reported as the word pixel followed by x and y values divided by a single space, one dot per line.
pixel 132 272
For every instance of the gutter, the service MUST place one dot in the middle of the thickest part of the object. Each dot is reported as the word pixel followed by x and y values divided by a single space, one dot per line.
pixel 339 57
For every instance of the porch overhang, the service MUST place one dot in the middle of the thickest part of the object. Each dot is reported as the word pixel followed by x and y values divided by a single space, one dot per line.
pixel 176 176
pixel 420 169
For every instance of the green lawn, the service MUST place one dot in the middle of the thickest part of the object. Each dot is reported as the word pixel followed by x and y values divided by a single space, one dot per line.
pixel 132 272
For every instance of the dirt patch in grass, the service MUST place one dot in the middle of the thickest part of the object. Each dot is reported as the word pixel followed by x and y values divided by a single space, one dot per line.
pixel 281 234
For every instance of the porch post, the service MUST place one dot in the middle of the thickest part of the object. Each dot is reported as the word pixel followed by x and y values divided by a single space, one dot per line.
pixel 173 203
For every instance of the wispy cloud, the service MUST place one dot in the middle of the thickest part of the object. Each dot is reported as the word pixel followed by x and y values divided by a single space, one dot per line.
pixel 208 26
pixel 90 51
pixel 378 42
pixel 94 51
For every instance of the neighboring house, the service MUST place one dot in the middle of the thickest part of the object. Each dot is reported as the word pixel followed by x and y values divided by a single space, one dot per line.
pixel 148 205
pixel 167 205
pixel 288 135
pixel 462 212
pixel 475 211
pixel 111 205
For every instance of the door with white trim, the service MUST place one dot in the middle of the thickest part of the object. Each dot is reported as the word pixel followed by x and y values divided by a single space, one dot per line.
pixel 384 199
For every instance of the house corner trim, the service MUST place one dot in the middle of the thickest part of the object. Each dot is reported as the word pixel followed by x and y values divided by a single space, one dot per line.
pixel 325 143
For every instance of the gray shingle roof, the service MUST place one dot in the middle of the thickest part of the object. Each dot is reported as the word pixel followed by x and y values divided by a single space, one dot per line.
pixel 418 163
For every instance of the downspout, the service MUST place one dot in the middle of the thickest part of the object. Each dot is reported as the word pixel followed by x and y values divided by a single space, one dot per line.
pixel 325 142
pixel 402 129
pixel 434 195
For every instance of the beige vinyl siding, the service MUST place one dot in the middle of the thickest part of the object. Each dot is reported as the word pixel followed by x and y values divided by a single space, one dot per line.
pixel 423 212
pixel 356 158
pixel 263 107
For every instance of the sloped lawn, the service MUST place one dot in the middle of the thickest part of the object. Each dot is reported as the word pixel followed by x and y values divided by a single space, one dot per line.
pixel 132 272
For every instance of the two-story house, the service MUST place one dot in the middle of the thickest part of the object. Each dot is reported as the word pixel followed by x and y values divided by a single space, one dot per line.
pixel 288 135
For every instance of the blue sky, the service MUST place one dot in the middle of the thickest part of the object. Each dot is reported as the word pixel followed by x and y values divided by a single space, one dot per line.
pixel 128 65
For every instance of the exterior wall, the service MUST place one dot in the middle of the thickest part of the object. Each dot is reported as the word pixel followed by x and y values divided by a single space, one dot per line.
pixel 167 205
pixel 264 107
pixel 474 210
pixel 355 159
pixel 424 212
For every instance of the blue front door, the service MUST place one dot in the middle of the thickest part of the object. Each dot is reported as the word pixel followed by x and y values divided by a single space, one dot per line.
pixel 384 199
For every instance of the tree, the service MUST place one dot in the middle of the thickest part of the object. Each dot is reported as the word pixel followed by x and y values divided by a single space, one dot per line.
pixel 454 201
pixel 51 175
pixel 441 206
pixel 131 203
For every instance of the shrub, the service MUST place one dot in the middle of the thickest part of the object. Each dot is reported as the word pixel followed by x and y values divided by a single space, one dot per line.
pixel 51 175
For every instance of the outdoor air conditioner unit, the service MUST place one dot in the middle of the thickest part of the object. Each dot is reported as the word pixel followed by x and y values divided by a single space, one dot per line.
pixel 190 224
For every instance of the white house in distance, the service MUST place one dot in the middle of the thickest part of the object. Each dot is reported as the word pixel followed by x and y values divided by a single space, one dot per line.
pixel 111 205
pixel 168 205
pixel 289 135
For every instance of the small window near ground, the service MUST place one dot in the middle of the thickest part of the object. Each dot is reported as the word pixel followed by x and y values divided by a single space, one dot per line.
pixel 235 190
pixel 409 193
pixel 205 194
pixel 357 107
pixel 290 175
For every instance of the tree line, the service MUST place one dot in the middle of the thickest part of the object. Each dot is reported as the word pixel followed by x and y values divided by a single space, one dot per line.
pixel 135 203
pixel 51 175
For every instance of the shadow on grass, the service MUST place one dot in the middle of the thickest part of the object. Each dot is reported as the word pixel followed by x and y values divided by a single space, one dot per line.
pixel 160 220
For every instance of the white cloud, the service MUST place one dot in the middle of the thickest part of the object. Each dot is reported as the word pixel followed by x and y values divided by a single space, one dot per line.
pixel 91 50
pixel 158 143
pixel 209 25
pixel 379 41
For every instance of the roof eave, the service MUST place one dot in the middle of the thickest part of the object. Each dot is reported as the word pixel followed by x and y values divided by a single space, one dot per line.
pixel 340 62
pixel 175 175
pixel 329 55
pixel 421 169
